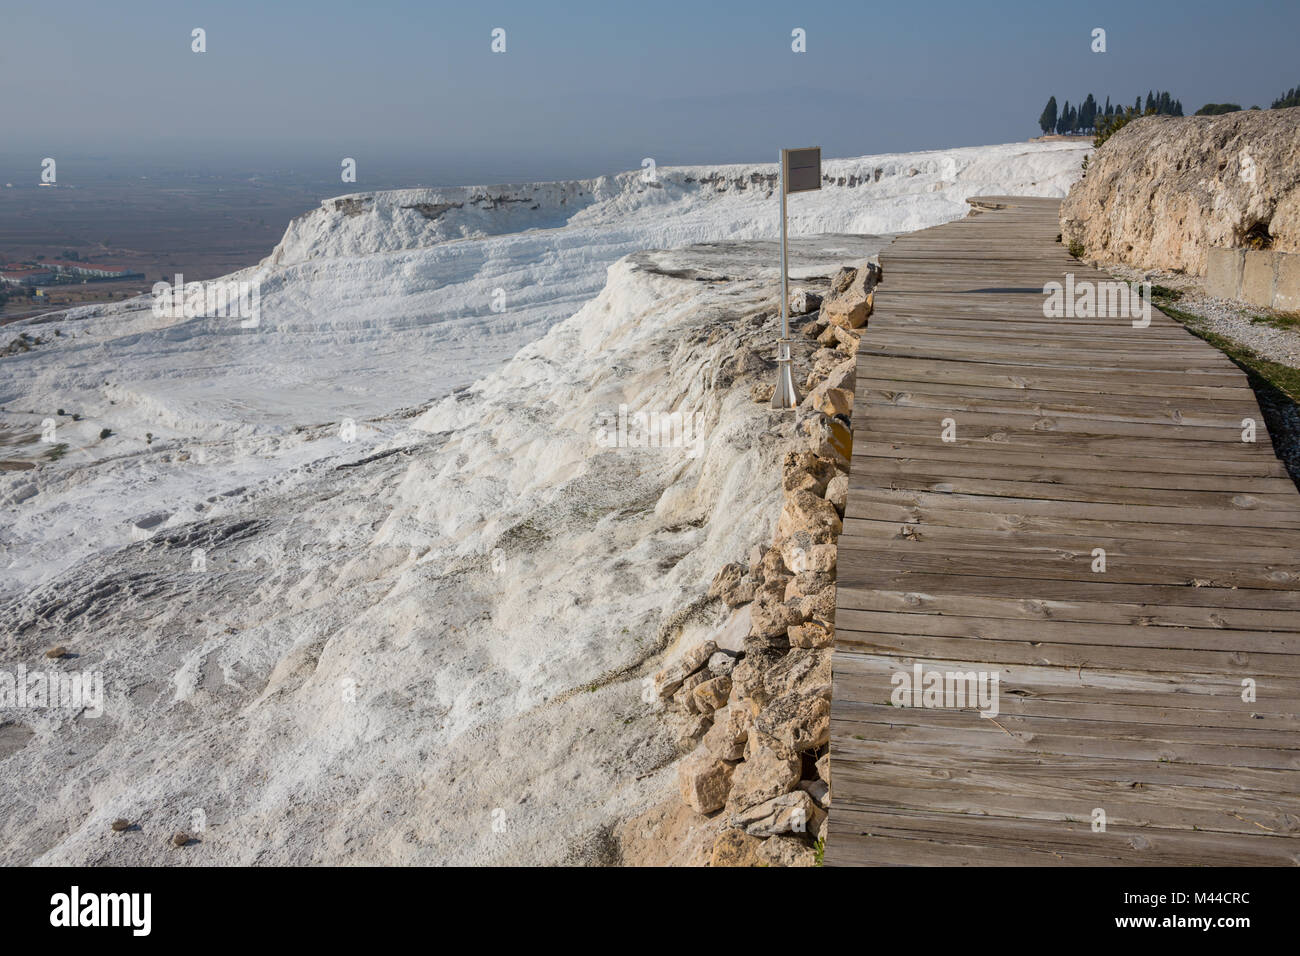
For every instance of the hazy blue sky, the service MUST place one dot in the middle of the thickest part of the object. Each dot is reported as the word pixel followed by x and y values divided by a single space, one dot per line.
pixel 590 87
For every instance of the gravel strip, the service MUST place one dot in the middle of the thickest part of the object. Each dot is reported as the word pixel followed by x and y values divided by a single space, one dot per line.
pixel 1233 320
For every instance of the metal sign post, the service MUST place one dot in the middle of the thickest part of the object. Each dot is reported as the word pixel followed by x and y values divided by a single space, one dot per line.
pixel 801 171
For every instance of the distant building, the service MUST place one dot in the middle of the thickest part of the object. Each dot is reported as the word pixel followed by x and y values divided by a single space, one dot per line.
pixel 22 275
pixel 90 270
pixel 57 272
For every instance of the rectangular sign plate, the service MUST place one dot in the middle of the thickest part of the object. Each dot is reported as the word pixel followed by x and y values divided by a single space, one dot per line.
pixel 803 169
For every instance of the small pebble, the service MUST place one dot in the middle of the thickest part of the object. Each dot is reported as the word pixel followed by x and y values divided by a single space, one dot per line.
pixel 56 652
pixel 119 825
pixel 180 838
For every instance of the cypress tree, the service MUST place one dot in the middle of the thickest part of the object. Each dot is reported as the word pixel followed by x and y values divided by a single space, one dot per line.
pixel 1047 119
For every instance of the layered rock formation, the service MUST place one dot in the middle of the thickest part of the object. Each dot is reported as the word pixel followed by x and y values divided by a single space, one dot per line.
pixel 1163 190
pixel 428 647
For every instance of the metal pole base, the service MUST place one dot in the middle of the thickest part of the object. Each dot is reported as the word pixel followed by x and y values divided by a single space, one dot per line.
pixel 786 395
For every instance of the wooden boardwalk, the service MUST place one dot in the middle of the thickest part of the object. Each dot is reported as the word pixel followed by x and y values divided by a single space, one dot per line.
pixel 1121 691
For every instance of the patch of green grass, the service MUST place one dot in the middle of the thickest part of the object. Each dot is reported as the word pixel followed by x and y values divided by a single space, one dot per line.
pixel 57 452
pixel 819 852
pixel 1282 320
pixel 1284 378
pixel 1076 249
pixel 1164 292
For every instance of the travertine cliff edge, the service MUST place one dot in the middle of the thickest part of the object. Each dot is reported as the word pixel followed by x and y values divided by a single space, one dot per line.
pixel 1163 190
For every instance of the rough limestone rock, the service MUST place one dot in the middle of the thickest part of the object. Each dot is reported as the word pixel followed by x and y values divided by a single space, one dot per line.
pixel 722 662
pixel 726 739
pixel 839 338
pixel 712 694
pixel 747 685
pixel 794 812
pixel 726 579
pixel 742 593
pixel 825 360
pixel 772 566
pixel 802 301
pixel 769 770
pixel 732 635
pixel 799 722
pixel 818 607
pixel 668 834
pixel 844 375
pixel 685 695
pixel 829 437
pixel 805 511
pixel 837 492
pixel 848 341
pixel 850 305
pixel 771 593
pixel 1163 190
pixel 704 780
pixel 803 671
pixel 835 401
pixel 769 621
pixel 668 680
pixel 801 555
pixel 812 634
pixel 804 471
pixel 815 328
pixel 688 729
pixel 735 848
pixel 818 790
pixel 785 851
pixel 807 584
pixel 733 585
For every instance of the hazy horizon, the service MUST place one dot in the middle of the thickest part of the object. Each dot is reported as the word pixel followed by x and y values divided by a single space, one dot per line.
pixel 414 93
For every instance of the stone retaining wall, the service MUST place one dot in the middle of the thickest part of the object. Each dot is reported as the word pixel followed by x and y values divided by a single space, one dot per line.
pixel 1260 277
pixel 756 787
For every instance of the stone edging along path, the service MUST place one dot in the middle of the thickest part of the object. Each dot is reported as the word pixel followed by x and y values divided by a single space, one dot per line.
pixel 760 772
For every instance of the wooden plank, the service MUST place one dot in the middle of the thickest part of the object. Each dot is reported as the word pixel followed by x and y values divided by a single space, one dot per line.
pixel 860 836
pixel 1174 567
pixel 905 449
pixel 885 470
pixel 1165 689
pixel 1021 527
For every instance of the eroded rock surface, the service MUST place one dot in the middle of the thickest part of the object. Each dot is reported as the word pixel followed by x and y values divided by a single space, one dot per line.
pixel 1163 190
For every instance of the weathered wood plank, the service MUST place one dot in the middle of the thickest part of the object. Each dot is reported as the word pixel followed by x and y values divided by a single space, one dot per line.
pixel 1165 689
